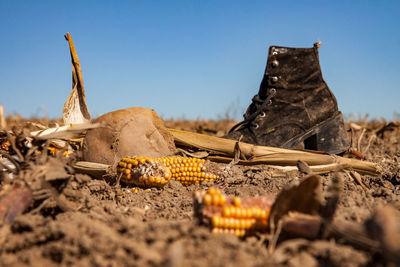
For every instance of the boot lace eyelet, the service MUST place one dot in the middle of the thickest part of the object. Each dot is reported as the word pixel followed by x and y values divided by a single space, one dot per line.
pixel 262 114
pixel 255 125
pixel 269 102
pixel 272 91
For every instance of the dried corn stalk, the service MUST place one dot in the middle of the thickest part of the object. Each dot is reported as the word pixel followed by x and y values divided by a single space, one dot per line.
pixel 75 109
pixel 319 162
pixel 3 123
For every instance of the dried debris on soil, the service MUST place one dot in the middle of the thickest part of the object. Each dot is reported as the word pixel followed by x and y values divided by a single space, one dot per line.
pixel 78 220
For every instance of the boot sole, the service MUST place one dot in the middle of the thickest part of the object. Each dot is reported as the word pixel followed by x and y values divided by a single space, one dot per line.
pixel 329 136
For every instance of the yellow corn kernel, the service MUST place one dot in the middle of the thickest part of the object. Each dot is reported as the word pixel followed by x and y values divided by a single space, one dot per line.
pixel 226 211
pixel 216 199
pixel 244 212
pixel 216 221
pixel 122 164
pixel 212 191
pixel 239 212
pixel 232 211
pixel 236 201
pixel 167 175
pixel 256 212
pixel 249 212
pixel 238 232
pixel 263 214
pixel 216 231
pixel 208 199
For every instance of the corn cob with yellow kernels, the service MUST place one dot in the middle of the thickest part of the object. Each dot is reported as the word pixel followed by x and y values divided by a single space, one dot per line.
pixel 52 150
pixel 4 146
pixel 234 215
pixel 148 172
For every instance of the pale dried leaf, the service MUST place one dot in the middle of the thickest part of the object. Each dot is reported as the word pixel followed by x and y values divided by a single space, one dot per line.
pixel 72 111
pixel 64 132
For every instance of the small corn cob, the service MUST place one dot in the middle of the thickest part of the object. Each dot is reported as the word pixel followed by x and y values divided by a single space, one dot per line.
pixel 234 215
pixel 53 151
pixel 148 172
pixel 5 145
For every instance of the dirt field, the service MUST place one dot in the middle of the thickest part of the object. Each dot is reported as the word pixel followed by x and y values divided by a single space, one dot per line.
pixel 107 225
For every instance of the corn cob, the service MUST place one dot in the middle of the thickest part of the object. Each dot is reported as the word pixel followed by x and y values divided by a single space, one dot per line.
pixel 51 150
pixel 5 145
pixel 234 215
pixel 148 172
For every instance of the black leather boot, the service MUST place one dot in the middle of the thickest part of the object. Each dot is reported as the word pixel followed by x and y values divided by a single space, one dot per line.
pixel 294 107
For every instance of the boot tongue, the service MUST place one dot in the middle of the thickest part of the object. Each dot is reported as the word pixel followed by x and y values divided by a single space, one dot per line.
pixel 263 91
pixel 254 107
pixel 261 96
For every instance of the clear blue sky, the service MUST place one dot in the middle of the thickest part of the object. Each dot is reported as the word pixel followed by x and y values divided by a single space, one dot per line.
pixel 193 58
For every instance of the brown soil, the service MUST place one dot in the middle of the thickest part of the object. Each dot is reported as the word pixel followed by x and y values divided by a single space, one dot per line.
pixel 109 225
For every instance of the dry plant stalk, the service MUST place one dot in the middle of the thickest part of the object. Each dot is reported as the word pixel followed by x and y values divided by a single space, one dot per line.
pixel 75 109
pixel 252 154
pixel 3 123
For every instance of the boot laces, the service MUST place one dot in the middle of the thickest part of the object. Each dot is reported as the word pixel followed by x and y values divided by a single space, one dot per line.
pixel 260 105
